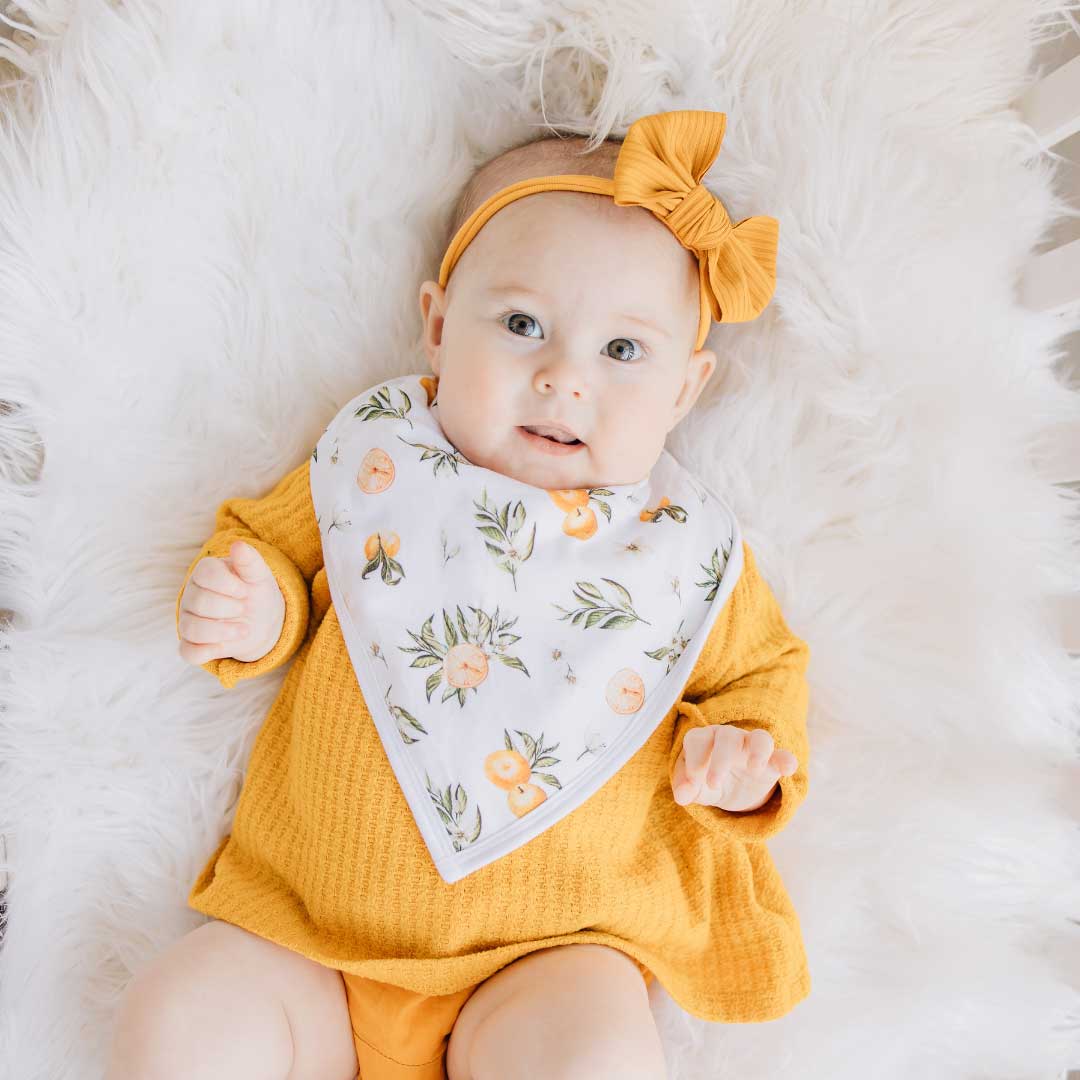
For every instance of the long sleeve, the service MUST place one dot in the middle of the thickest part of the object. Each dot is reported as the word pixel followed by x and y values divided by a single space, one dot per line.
pixel 281 526
pixel 751 674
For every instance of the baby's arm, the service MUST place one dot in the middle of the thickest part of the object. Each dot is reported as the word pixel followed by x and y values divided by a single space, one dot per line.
pixel 751 674
pixel 281 526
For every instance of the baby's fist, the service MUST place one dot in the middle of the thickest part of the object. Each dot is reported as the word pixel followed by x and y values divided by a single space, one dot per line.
pixel 231 607
pixel 725 766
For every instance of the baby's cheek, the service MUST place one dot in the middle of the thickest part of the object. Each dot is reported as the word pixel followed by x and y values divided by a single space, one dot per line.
pixel 631 445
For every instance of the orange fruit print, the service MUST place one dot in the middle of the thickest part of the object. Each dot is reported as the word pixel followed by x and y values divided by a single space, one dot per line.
pixel 580 523
pixel 569 498
pixel 512 771
pixel 506 768
pixel 465 665
pixel 625 691
pixel 391 542
pixel 376 472
pixel 525 797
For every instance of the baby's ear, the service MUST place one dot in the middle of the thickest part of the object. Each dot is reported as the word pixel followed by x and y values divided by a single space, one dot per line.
pixel 701 366
pixel 707 358
pixel 432 299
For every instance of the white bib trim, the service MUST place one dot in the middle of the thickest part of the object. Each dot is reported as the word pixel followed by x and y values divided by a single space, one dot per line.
pixel 515 646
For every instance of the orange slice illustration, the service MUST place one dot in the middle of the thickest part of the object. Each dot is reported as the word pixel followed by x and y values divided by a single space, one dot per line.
pixel 376 472
pixel 430 385
pixel 465 665
pixel 625 691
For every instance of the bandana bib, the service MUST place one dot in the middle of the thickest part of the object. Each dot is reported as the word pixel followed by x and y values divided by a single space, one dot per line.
pixel 514 645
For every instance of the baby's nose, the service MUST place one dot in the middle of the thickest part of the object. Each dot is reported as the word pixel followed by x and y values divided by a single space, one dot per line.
pixel 563 377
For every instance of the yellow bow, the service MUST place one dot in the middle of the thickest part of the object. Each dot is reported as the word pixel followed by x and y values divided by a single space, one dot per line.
pixel 660 165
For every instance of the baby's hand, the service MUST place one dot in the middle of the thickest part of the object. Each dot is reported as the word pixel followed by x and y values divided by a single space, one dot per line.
pixel 725 766
pixel 231 607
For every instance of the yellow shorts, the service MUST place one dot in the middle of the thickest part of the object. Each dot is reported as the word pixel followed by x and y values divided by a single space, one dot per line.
pixel 403 1035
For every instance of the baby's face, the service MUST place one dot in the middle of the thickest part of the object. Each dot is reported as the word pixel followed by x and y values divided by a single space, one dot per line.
pixel 545 318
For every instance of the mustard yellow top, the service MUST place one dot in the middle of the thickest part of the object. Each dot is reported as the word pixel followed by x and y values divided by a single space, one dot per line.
pixel 325 858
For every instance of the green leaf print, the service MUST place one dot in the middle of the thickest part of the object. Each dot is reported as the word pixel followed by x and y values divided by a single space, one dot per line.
pixel 404 719
pixel 423 661
pixel 450 458
pixel 379 405
pixel 500 526
pixel 605 508
pixel 426 642
pixel 428 636
pixel 623 594
pixel 671 652
pixel 452 810
pixel 714 572
pixel 595 610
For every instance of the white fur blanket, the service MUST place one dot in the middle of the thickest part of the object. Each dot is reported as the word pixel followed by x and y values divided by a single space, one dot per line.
pixel 214 219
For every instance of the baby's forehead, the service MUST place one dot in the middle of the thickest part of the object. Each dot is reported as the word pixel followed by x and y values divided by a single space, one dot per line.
pixel 574 230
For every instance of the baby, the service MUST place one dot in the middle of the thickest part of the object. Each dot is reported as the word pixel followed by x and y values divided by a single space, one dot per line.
pixel 352 928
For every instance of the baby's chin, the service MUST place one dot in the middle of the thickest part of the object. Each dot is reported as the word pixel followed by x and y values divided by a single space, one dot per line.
pixel 547 477
pixel 572 472
pixel 547 472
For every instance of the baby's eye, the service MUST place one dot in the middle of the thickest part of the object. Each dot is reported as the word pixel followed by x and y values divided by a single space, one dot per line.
pixel 515 318
pixel 624 342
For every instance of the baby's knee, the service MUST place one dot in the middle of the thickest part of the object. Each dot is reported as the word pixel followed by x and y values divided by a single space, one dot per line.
pixel 569 1054
pixel 564 1032
pixel 151 1024
pixel 172 1023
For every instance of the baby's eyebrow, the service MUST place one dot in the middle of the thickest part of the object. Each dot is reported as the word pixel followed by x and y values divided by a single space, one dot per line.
pixel 524 290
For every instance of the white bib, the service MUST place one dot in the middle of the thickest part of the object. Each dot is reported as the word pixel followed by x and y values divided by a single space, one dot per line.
pixel 515 646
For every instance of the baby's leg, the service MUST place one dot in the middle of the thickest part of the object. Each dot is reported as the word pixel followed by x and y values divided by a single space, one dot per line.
pixel 224 1003
pixel 559 1014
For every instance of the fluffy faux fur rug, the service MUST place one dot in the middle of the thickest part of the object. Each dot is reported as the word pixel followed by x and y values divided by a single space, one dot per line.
pixel 214 219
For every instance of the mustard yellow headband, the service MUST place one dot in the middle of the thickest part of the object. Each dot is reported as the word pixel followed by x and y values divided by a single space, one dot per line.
pixel 660 165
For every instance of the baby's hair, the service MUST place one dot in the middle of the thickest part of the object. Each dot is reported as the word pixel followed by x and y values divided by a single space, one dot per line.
pixel 548 155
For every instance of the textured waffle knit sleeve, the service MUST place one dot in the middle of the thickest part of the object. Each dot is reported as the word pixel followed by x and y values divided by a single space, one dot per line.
pixel 281 526
pixel 751 674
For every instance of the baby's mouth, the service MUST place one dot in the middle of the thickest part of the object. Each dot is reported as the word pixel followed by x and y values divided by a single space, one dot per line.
pixel 551 434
